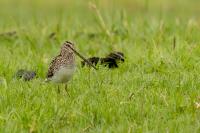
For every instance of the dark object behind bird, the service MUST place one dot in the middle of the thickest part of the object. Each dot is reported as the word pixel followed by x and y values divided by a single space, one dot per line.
pixel 8 34
pixel 25 74
pixel 52 36
pixel 111 60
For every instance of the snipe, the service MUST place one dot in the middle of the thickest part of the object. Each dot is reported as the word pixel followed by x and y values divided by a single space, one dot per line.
pixel 62 67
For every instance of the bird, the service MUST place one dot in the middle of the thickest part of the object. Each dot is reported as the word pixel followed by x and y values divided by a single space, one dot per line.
pixel 62 67
pixel 26 75
pixel 110 60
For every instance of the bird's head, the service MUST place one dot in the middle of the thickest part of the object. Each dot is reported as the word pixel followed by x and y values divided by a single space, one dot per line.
pixel 66 48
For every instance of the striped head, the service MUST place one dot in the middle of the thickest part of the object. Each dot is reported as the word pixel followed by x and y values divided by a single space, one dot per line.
pixel 66 50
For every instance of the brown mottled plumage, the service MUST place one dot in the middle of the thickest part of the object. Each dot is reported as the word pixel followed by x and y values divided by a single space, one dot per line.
pixel 62 66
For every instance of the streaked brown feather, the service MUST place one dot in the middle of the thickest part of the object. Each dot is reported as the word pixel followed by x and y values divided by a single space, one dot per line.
pixel 53 63
pixel 65 58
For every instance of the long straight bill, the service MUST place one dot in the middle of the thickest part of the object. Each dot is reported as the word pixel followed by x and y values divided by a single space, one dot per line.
pixel 89 63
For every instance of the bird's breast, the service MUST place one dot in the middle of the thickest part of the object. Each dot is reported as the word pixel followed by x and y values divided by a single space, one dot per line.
pixel 64 74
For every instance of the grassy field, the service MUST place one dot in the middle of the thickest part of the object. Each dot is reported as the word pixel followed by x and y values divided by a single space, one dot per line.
pixel 157 89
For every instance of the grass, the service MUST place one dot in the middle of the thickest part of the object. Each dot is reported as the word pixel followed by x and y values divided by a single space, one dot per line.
pixel 157 89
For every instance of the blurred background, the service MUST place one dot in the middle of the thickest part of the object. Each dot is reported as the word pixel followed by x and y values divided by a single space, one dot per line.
pixel 22 10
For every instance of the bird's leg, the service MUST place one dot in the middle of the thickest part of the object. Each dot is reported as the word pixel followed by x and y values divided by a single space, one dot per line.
pixel 58 89
pixel 66 89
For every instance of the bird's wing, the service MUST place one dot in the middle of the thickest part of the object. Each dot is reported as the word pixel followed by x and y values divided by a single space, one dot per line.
pixel 52 67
